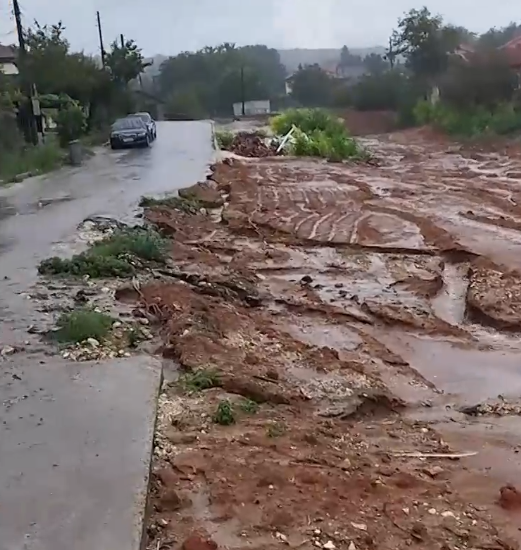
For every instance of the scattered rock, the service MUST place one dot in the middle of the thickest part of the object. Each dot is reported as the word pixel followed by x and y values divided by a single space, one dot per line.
pixel 197 542
pixel 433 471
pixel 93 342
pixel 329 545
pixel 359 526
pixel 306 280
pixel 8 350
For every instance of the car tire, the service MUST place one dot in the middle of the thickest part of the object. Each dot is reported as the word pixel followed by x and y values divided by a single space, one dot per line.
pixel 113 146
pixel 147 142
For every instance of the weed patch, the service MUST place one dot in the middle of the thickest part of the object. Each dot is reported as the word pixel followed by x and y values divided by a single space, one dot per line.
pixel 225 414
pixel 80 325
pixel 34 159
pixel 114 256
pixel 200 380
pixel 248 406
pixel 224 139
pixel 188 205
pixel 276 429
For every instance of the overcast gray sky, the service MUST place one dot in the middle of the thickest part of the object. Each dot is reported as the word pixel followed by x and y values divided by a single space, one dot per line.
pixel 170 26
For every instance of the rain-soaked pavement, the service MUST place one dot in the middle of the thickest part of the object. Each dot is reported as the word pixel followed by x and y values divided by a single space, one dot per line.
pixel 75 438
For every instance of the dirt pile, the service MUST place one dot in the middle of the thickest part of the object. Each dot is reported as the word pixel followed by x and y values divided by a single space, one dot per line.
pixel 250 144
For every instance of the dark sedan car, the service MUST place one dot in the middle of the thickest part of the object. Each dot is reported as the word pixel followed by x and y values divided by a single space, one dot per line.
pixel 150 123
pixel 129 132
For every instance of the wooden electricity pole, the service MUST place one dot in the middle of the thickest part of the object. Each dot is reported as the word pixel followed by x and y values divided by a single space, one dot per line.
pixel 100 32
pixel 27 85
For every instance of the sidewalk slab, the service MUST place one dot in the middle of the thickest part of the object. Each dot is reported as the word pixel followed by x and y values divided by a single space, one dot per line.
pixel 75 446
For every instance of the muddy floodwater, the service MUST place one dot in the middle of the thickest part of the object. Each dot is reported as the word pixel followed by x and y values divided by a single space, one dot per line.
pixel 399 276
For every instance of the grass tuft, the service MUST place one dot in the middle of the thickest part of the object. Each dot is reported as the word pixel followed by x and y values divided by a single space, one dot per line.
pixel 82 324
pixel 248 406
pixel 200 380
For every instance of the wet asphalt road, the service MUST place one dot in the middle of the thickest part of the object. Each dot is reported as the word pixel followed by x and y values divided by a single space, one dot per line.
pixel 75 438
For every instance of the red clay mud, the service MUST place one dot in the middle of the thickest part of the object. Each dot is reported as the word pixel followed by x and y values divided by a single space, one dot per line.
pixel 294 301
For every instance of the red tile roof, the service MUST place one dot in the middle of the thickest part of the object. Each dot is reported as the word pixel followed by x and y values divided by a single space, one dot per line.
pixel 512 50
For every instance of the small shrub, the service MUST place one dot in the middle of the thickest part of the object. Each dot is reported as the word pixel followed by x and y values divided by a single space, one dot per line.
pixel 224 139
pixel 71 123
pixel 82 324
pixel 200 380
pixel 224 415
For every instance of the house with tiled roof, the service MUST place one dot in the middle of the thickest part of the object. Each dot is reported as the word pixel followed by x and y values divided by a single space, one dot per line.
pixel 8 60
pixel 512 51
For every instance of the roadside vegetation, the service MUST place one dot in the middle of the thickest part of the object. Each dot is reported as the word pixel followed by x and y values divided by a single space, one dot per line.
pixel 462 83
pixel 80 325
pixel 188 205
pixel 317 133
pixel 74 91
pixel 119 255
pixel 224 139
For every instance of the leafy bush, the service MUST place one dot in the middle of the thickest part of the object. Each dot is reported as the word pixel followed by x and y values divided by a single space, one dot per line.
pixel 71 124
pixel 307 120
pixel 112 256
pixel 82 324
pixel 318 134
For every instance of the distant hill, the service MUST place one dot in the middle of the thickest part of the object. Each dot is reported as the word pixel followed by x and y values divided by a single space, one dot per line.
pixel 326 57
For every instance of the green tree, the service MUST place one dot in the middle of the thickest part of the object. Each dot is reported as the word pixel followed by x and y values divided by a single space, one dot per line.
pixel 347 59
pixel 217 77
pixel 125 62
pixel 495 38
pixel 375 64
pixel 426 43
pixel 312 86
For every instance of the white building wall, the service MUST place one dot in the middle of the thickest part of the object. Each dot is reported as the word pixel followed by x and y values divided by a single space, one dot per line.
pixel 8 68
pixel 260 107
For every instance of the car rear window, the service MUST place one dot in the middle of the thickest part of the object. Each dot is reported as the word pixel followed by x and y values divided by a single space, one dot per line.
pixel 129 123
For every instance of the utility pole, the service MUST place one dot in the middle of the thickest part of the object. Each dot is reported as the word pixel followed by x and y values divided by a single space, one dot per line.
pixel 100 32
pixel 390 53
pixel 122 40
pixel 242 91
pixel 32 134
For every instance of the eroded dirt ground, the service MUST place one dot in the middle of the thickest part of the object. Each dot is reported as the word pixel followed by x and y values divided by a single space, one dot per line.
pixel 373 314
